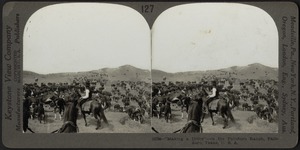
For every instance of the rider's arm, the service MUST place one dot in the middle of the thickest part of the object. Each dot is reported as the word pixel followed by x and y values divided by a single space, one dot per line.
pixel 87 92
pixel 214 91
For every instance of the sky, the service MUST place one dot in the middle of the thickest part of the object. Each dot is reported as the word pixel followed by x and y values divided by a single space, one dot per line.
pixel 208 36
pixel 83 37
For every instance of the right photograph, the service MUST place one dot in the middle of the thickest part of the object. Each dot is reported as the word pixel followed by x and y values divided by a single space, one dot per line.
pixel 215 70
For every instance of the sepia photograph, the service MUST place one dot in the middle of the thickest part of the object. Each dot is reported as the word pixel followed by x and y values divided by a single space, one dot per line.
pixel 86 69
pixel 143 74
pixel 214 70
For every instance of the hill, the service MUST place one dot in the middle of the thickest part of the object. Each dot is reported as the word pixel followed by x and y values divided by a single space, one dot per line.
pixel 122 73
pixel 131 73
pixel 251 71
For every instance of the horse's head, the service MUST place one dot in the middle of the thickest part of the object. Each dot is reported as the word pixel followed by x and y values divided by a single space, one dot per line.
pixel 202 94
pixel 230 99
pixel 71 111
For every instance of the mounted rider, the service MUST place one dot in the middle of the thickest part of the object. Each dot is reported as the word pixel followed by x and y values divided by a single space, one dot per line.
pixel 213 96
pixel 86 97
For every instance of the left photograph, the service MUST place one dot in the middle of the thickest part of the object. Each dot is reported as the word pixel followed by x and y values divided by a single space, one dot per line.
pixel 86 69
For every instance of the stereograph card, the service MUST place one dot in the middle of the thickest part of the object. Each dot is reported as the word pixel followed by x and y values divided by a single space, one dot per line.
pixel 111 74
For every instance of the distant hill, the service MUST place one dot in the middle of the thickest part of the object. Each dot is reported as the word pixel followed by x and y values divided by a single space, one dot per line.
pixel 252 71
pixel 122 73
pixel 131 73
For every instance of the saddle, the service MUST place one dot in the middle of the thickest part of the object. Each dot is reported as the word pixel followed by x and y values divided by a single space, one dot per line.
pixel 213 104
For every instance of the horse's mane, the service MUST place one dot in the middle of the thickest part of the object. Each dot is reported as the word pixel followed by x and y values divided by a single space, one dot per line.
pixel 70 113
pixel 71 110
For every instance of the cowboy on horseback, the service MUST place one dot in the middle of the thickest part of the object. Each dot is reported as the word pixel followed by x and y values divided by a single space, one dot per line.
pixel 213 96
pixel 86 97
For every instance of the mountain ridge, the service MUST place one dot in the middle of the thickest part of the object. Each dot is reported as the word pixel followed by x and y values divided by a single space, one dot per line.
pixel 131 73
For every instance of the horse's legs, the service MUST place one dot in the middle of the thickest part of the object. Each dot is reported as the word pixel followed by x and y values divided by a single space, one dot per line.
pixel 55 112
pixel 201 129
pixel 187 111
pixel 202 118
pixel 98 118
pixel 229 114
pixel 61 111
pixel 102 115
pixel 225 120
pixel 212 117
pixel 159 114
pixel 44 118
pixel 30 130
pixel 83 115
pixel 60 117
pixel 141 119
pixel 166 117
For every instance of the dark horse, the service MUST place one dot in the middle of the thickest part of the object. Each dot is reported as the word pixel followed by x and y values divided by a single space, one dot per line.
pixel 70 114
pixel 185 102
pixel 167 111
pixel 26 111
pixel 193 124
pixel 94 106
pixel 224 106
pixel 59 107
pixel 155 111
pixel 41 113
pixel 194 115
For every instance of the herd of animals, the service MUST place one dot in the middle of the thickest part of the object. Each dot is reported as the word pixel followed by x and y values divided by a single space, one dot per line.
pixel 157 100
pixel 259 96
pixel 128 97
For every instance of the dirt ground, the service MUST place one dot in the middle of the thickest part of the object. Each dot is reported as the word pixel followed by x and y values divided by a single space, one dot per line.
pixel 118 122
pixel 241 125
pixel 114 124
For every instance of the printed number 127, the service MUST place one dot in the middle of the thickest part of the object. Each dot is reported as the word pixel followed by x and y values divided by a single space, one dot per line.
pixel 147 8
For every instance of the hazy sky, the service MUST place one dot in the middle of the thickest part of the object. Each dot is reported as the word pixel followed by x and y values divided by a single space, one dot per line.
pixel 83 37
pixel 213 36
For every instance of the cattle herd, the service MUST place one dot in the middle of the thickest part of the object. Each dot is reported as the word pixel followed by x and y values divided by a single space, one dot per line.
pixel 128 97
pixel 259 96
pixel 142 100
